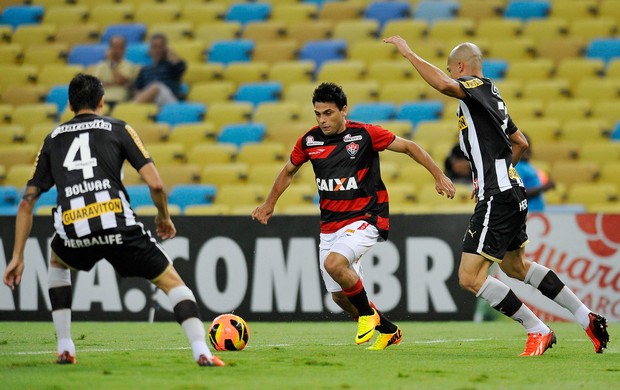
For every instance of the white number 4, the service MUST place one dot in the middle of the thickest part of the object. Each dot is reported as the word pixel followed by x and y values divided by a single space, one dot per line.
pixel 86 162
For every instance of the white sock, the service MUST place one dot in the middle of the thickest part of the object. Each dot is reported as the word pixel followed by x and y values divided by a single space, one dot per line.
pixel 62 324
pixel 195 332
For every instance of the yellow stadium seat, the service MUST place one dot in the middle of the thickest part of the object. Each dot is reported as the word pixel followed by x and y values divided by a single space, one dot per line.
pixel 17 75
pixel 292 14
pixel 309 209
pixel 173 175
pixel 578 9
pixel 461 29
pixel 610 8
pixel 602 152
pixel 30 114
pixel 222 174
pixel 197 13
pixel 246 72
pixel 401 193
pixel 6 111
pixel 538 69
pixel 11 134
pixel 556 150
pixel 165 153
pixel 235 195
pixel 568 110
pixel 363 91
pixel 509 89
pixel 546 90
pixel 540 129
pixel 598 89
pixel 437 130
pixel 151 14
pixel 604 208
pixel 358 30
pixel 399 92
pixel 570 172
pixel 10 53
pixel 275 52
pixel 606 110
pixel 585 131
pixel 264 152
pixel 514 49
pixel 175 31
pixel 289 72
pixel 151 211
pixel 6 31
pixel 18 175
pixel 610 173
pixel 48 54
pixel 481 9
pixel 151 132
pixel 613 69
pixel 427 195
pixel 414 173
pixel 192 134
pixel 264 173
pixel 288 132
pixel 295 195
pixel 274 113
pixel 499 29
pixel 202 72
pixel 65 15
pixel 192 51
pixel 77 34
pixel 338 11
pixel 54 74
pixel 592 193
pixel 590 28
pixel 227 113
pixel 211 209
pixel 525 109
pixel 135 112
pixel 341 71
pixel 261 31
pixel 37 133
pixel 17 154
pixel 131 176
pixel 403 129
pixel 391 71
pixel 372 51
pixel 105 14
pixel 300 92
pixel 23 94
pixel 30 34
pixel 560 49
pixel 411 30
pixel 212 154
pixel 577 69
pixel 212 92
pixel 545 28
pixel 316 30
pixel 411 209
pixel 218 31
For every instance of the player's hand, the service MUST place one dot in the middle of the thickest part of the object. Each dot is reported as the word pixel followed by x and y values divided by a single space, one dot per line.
pixel 444 186
pixel 165 228
pixel 13 273
pixel 262 213
pixel 400 44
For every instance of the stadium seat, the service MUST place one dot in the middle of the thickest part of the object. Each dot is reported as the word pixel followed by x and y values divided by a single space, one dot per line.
pixel 35 34
pixel 8 196
pixel 48 198
pixel 606 49
pixel 13 154
pixel 10 53
pixel 78 34
pixel 352 31
pixel 235 195
pixel 212 92
pixel 167 153
pixel 574 171
pixel 610 173
pixel 410 29
pixel 231 51
pixel 598 89
pixel 176 32
pixel 512 49
pixel 192 134
pixel 430 132
pixel 572 109
pixel 30 114
pixel 175 174
pixel 192 194
pixel 452 30
pixel 106 14
pixel 499 28
pixel 345 70
pixel 371 51
pixel 202 210
pixel 399 92
pixel 290 72
pixel 246 72
pixel 150 14
pixel 16 15
pixel 579 9
pixel 211 153
pixel 133 32
pixel 592 28
pixel 240 134
pixel 546 90
pixel 202 72
pixel 272 114
pixel 11 134
pixel 386 11
pixel 362 91
pixel 138 53
pixel 577 69
pixel 264 31
pixel 18 175
pixel 295 195
pixel 248 12
pixel 65 15
pixel 341 10
pixel 265 174
pixel 48 54
pixel 525 10
pixel 209 33
pixel 54 74
pixel 87 55
pixel 181 112
pixel 192 51
pixel 151 132
pixel 151 210
pixel 257 93
pixel 494 68
pixel 545 29
pixel 535 69
pixel 420 111
pixel 553 151
pixel 274 52
pixel 292 14
pixel 223 174
pixel 196 13
pixel 23 94
pixel 261 153
pixel 135 112
pixel 58 95
pixel 602 152
pixel 372 112
pixel 390 71
pixel 480 10
pixel 435 10
pixel 139 195
pixel 321 51
pixel 585 131
pixel 592 193
pixel 221 114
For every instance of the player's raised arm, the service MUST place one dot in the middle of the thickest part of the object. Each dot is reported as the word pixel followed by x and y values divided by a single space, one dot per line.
pixel 263 212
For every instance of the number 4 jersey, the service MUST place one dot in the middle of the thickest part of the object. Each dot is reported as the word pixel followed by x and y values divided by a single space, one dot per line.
pixel 84 159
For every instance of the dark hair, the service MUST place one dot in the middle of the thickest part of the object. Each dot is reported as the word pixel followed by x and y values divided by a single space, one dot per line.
pixel 159 36
pixel 330 93
pixel 85 91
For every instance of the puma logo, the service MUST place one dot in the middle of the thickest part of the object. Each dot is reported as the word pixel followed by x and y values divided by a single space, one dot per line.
pixel 471 233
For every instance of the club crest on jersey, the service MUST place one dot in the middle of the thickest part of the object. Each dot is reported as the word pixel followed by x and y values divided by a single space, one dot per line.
pixel 350 138
pixel 352 149
pixel 311 142
pixel 342 184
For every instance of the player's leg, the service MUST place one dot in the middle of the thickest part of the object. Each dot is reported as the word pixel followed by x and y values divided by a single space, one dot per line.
pixel 517 266
pixel 60 294
pixel 187 315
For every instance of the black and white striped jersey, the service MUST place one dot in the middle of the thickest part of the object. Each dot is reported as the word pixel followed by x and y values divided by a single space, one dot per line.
pixel 84 158
pixel 485 127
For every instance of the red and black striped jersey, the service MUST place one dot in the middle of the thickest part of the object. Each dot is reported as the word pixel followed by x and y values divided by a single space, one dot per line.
pixel 84 158
pixel 348 174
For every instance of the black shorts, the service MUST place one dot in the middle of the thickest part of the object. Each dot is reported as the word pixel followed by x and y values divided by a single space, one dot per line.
pixel 131 251
pixel 498 225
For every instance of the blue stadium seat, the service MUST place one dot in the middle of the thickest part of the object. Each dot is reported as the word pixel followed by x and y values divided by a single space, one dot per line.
pixel 16 15
pixel 8 210
pixel 59 95
pixel 416 112
pixel 139 195
pixel 8 196
pixel 138 53
pixel 240 134
pixel 435 10
pixel 133 32
pixel 239 50
pixel 184 195
pixel 383 12
pixel 372 112
pixel 87 55
pixel 248 12
pixel 604 48
pixel 257 93
pixel 615 134
pixel 527 9
pixel 48 198
pixel 321 51
pixel 494 69
pixel 182 112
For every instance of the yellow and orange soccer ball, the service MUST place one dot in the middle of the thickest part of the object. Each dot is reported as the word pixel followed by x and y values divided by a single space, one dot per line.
pixel 229 332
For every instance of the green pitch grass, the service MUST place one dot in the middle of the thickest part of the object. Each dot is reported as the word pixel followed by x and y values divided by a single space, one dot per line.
pixel 436 355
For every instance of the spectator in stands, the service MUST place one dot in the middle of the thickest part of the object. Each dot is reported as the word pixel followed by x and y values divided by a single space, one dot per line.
pixel 160 82
pixel 535 185
pixel 457 167
pixel 115 72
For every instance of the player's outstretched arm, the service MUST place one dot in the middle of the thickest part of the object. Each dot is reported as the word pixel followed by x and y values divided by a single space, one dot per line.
pixel 164 227
pixel 23 225
pixel 264 212
pixel 443 184
pixel 434 76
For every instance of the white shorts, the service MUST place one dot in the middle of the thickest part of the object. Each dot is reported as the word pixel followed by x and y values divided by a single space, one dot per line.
pixel 352 241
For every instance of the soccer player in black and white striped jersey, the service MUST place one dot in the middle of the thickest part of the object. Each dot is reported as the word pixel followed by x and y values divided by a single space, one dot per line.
pixel 497 230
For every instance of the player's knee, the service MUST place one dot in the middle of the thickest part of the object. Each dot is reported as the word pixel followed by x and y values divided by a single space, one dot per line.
pixel 469 282
pixel 183 303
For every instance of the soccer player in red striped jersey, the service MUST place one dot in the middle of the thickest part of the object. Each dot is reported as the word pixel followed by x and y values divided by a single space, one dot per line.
pixel 353 201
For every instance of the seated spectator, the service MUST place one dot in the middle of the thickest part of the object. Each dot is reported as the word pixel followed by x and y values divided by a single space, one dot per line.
pixel 160 82
pixel 535 182
pixel 115 72
pixel 457 166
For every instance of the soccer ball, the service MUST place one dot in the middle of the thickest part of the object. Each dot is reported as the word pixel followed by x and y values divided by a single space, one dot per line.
pixel 229 332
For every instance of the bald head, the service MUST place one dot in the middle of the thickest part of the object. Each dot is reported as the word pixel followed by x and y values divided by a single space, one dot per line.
pixel 466 60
